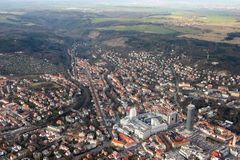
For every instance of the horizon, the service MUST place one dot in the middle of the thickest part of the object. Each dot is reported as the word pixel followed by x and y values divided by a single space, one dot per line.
pixel 80 4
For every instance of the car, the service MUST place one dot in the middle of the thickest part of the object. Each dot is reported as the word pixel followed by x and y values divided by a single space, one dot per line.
pixel 58 155
pixel 26 158
pixel 45 158
pixel 2 153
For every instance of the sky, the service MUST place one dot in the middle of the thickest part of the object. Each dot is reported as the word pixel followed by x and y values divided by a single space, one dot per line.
pixel 18 4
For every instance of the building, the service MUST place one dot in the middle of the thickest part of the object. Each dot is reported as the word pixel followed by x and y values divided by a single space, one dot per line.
pixel 117 143
pixel 54 129
pixel 193 151
pixel 132 113
pixel 176 140
pixel 190 117
pixel 221 152
pixel 235 152
pixel 143 125
pixel 172 118
pixel 215 132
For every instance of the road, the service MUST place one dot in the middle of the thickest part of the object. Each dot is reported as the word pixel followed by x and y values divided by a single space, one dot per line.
pixel 96 101
pixel 176 86
pixel 24 129
pixel 85 99
pixel 18 131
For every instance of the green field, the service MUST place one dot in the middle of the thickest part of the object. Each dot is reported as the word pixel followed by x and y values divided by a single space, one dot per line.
pixel 39 85
pixel 159 29
pixel 219 20
pixel 175 17
pixel 7 18
pixel 13 20
pixel 141 28
pixel 159 19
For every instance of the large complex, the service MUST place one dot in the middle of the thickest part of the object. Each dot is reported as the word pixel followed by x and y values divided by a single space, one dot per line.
pixel 146 124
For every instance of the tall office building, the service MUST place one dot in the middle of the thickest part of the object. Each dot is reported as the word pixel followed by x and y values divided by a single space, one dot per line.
pixel 190 117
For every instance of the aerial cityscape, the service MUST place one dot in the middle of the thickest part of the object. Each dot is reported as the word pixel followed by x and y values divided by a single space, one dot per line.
pixel 119 80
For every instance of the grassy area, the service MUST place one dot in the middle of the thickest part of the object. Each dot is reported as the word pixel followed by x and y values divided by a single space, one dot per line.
pixel 156 19
pixel 186 30
pixel 137 9
pixel 176 17
pixel 100 20
pixel 39 85
pixel 219 20
pixel 159 29
pixel 21 64
pixel 13 20
pixel 141 28
pixel 7 18
pixel 116 42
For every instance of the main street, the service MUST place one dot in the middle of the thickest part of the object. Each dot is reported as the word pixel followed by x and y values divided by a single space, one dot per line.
pixel 96 102
pixel 95 97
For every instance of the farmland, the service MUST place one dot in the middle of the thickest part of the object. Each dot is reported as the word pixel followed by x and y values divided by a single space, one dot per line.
pixel 141 28
pixel 210 27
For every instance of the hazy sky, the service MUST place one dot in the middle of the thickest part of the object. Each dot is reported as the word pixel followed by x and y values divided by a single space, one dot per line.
pixel 5 4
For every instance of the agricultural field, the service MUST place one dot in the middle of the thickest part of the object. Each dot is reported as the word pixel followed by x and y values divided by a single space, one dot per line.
pixel 213 27
pixel 141 28
pixel 14 19
pixel 8 18
pixel 45 42
pixel 220 20
pixel 116 42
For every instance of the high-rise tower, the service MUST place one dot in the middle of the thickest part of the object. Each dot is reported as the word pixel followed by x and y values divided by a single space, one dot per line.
pixel 190 117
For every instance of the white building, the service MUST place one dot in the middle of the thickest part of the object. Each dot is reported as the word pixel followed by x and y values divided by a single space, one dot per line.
pixel 144 125
pixel 172 118
pixel 191 150
pixel 133 113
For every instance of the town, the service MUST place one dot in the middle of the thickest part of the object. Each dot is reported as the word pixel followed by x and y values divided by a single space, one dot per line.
pixel 135 105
